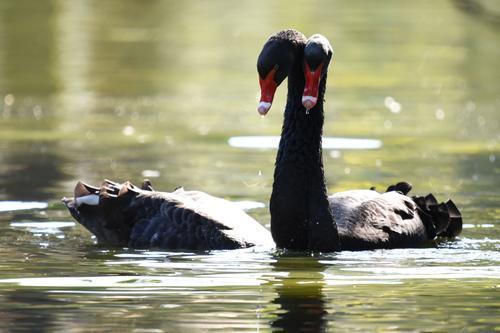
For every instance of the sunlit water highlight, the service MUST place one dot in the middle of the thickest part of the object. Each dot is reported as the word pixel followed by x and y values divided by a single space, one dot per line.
pixel 43 227
pixel 10 206
pixel 272 142
pixel 134 89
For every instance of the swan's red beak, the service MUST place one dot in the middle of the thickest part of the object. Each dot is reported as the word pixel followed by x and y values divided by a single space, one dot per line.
pixel 267 89
pixel 310 95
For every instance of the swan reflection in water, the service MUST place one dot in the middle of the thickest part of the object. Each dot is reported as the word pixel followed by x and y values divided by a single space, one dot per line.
pixel 299 282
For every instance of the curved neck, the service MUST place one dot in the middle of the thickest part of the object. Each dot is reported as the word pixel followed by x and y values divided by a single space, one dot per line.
pixel 301 218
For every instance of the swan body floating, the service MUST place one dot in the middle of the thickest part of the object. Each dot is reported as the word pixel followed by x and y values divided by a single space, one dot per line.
pixel 303 216
pixel 129 216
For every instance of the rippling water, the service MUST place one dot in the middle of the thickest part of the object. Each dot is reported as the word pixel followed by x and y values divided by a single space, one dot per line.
pixel 168 90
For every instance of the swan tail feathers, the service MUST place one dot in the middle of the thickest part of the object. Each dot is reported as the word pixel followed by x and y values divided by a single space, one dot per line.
pixel 442 219
pixel 455 227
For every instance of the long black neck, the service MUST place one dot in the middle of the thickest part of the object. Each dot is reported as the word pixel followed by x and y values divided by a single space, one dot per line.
pixel 301 218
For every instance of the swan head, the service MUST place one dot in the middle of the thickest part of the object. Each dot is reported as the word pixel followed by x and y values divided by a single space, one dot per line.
pixel 317 56
pixel 275 62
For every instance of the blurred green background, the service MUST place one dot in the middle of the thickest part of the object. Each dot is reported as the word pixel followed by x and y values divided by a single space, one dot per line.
pixel 133 89
pixel 96 89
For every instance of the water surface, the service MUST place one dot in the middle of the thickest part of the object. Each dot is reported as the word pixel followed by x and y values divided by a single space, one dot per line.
pixel 126 90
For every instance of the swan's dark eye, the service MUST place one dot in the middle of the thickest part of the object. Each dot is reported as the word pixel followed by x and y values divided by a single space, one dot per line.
pixel 317 56
pixel 273 65
pixel 314 57
pixel 275 55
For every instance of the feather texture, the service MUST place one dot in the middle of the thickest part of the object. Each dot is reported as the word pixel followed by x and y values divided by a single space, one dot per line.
pixel 126 215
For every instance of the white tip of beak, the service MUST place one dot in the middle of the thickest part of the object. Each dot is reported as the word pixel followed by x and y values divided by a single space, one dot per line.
pixel 263 108
pixel 309 102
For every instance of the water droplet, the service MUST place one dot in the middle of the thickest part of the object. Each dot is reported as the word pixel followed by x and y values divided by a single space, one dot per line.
pixel 347 171
pixel 9 99
pixel 392 104
pixel 260 173
pixel 440 114
pixel 128 130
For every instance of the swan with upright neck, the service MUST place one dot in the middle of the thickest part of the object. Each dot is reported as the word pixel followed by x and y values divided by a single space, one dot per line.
pixel 303 216
pixel 300 216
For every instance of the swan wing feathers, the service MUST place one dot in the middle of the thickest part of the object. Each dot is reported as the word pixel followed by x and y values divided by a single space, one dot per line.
pixel 125 215
pixel 374 216
pixel 368 219
pixel 225 216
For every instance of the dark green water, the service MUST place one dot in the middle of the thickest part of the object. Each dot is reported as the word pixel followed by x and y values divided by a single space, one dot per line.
pixel 127 89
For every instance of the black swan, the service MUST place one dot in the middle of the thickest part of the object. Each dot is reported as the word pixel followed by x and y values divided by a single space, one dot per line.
pixel 303 216
pixel 125 215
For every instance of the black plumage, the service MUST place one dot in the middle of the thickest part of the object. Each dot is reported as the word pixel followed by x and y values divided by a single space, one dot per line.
pixel 303 216
pixel 125 215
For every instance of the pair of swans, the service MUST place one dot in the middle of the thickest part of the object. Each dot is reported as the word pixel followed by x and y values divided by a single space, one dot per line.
pixel 303 216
